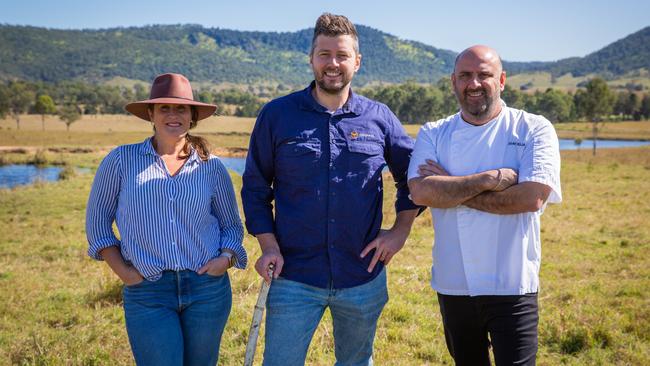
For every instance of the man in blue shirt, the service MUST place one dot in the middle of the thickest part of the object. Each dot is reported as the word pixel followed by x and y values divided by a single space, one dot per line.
pixel 319 154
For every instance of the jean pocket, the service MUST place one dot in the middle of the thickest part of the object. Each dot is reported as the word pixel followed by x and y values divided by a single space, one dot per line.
pixel 139 284
pixel 215 276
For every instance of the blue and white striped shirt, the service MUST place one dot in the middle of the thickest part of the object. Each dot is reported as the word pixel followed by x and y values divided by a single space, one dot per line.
pixel 165 222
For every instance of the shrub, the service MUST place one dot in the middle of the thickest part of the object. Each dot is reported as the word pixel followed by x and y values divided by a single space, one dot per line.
pixel 67 172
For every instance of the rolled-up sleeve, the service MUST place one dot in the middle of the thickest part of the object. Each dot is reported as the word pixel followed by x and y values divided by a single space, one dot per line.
pixel 541 159
pixel 399 146
pixel 257 192
pixel 102 205
pixel 224 206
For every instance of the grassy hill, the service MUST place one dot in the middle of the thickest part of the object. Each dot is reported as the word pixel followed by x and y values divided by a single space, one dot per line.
pixel 542 80
pixel 619 58
pixel 624 63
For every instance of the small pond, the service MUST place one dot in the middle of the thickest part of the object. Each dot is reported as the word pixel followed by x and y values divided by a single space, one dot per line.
pixel 569 144
pixel 21 174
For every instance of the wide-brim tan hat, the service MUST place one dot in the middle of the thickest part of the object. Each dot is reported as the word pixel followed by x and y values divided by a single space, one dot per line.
pixel 170 89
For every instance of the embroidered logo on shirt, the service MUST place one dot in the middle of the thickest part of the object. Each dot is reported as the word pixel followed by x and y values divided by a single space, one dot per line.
pixel 355 135
pixel 516 143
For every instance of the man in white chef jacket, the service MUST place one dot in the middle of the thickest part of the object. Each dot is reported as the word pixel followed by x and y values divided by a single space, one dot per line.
pixel 487 173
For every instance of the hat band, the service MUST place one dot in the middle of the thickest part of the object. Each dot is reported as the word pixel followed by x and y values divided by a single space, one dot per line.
pixel 174 97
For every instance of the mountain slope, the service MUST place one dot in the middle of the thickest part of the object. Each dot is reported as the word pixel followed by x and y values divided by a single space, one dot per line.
pixel 203 54
pixel 616 59
pixel 220 55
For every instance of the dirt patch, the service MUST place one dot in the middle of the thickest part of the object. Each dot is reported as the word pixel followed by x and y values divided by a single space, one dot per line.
pixel 231 152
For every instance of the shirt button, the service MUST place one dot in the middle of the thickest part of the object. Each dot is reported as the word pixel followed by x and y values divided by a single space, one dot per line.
pixel 333 193
pixel 332 221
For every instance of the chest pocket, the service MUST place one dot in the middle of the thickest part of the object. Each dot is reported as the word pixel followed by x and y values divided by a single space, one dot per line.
pixel 296 158
pixel 513 154
pixel 364 143
pixel 368 147
pixel 365 158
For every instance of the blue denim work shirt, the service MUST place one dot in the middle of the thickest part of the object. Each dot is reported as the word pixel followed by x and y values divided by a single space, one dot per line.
pixel 324 172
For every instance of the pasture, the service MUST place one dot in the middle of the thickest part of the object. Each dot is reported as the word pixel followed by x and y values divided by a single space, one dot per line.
pixel 60 307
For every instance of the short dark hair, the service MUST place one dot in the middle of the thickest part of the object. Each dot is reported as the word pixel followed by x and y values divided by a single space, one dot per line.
pixel 332 25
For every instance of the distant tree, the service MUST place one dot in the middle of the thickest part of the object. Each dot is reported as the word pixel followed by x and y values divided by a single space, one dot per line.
pixel 627 103
pixel 140 92
pixel 204 96
pixel 422 103
pixel 44 105
pixel 4 100
pixel 411 102
pixel 513 97
pixel 577 141
pixel 644 109
pixel 595 102
pixel 449 103
pixel 90 109
pixel 554 105
pixel 69 114
pixel 111 99
pixel 20 98
pixel 529 102
pixel 249 109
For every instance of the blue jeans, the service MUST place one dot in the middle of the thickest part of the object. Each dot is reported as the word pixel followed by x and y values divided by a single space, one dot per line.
pixel 177 320
pixel 295 309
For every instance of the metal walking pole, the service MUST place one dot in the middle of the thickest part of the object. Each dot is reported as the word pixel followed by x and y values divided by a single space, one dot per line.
pixel 257 320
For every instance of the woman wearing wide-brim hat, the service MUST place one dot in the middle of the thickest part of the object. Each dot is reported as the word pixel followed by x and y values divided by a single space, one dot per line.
pixel 180 231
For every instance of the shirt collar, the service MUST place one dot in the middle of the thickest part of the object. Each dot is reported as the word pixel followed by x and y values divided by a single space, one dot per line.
pixel 146 148
pixel 194 157
pixel 354 103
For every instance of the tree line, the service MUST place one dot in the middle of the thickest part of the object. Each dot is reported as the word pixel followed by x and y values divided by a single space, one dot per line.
pixel 70 100
pixel 417 103
pixel 412 102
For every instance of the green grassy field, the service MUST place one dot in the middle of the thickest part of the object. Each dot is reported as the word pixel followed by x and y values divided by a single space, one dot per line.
pixel 627 130
pixel 61 308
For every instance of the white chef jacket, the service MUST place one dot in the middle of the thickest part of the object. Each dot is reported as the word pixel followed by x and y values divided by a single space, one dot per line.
pixel 480 253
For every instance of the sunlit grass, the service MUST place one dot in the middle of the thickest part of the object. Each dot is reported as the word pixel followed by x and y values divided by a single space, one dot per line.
pixel 60 307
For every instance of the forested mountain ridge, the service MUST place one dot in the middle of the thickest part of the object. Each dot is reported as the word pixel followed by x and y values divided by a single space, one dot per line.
pixel 220 55
pixel 626 55
pixel 203 54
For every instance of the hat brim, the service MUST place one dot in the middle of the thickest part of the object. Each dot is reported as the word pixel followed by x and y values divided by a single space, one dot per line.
pixel 140 109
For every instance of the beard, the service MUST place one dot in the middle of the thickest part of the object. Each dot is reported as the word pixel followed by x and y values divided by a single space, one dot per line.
pixel 333 88
pixel 478 108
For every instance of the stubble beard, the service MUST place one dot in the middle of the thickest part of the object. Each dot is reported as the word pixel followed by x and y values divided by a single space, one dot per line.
pixel 332 89
pixel 478 110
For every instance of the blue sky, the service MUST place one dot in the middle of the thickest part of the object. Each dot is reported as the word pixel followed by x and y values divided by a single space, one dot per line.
pixel 522 30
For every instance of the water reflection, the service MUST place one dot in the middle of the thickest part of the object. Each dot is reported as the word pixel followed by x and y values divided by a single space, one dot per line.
pixel 570 144
pixel 21 174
